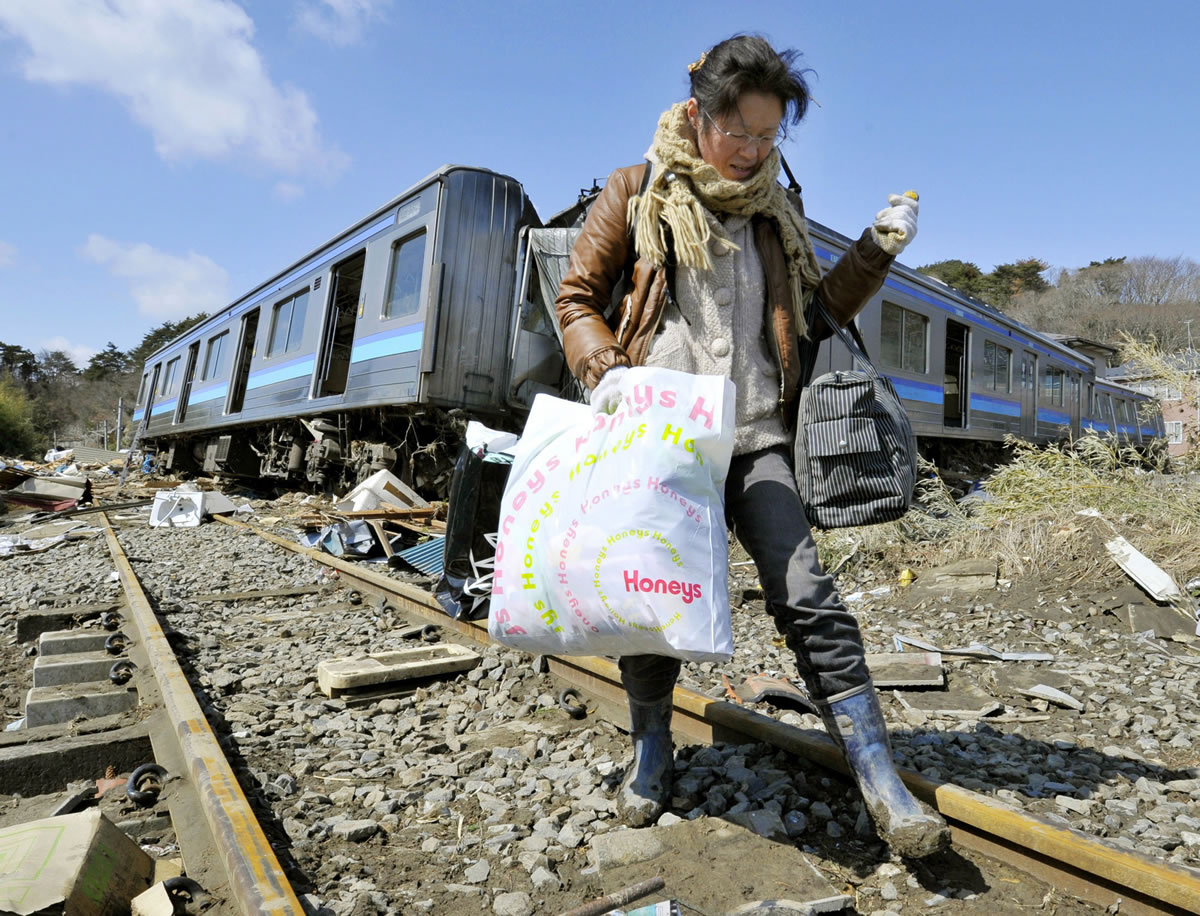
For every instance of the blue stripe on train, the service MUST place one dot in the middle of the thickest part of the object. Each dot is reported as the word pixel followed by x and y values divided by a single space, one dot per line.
pixel 163 407
pixel 1053 416
pixel 294 369
pixel 208 394
pixel 916 391
pixel 995 405
pixel 400 340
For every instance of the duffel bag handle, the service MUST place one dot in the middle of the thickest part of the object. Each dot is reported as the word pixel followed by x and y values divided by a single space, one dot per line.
pixel 848 334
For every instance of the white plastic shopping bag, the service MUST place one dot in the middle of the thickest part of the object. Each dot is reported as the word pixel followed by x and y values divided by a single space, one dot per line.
pixel 612 527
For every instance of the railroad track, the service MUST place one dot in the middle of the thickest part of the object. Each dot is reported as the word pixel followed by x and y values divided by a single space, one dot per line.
pixel 225 847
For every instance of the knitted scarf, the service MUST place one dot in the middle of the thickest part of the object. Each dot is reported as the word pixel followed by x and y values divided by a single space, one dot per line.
pixel 683 186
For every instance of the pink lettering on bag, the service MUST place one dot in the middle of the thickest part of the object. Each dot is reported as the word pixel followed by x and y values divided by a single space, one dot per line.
pixel 689 591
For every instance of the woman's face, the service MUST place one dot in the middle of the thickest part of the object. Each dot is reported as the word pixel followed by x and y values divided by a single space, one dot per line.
pixel 736 144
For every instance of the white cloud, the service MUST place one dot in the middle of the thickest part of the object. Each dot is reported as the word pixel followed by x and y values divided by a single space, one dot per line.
pixel 8 254
pixel 187 71
pixel 80 354
pixel 288 191
pixel 164 286
pixel 340 21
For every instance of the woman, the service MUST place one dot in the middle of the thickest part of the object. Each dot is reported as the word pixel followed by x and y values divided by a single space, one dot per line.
pixel 720 270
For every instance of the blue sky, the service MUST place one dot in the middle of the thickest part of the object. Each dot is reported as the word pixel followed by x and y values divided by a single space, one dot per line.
pixel 159 157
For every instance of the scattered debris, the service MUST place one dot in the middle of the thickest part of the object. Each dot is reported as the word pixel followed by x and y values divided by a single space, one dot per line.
pixel 977 650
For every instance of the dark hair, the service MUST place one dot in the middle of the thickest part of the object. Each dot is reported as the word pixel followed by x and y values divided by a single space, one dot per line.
pixel 748 63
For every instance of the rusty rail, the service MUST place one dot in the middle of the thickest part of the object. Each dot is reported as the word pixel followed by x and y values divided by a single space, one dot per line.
pixel 255 878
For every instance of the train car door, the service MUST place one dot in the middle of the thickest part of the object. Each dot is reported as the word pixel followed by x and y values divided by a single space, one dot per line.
pixel 337 341
pixel 189 372
pixel 954 386
pixel 241 365
pixel 1029 394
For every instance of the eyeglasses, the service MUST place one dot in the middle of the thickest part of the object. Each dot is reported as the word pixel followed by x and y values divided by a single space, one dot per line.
pixel 744 140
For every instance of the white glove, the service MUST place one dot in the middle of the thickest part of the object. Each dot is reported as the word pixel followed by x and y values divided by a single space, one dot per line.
pixel 896 226
pixel 606 396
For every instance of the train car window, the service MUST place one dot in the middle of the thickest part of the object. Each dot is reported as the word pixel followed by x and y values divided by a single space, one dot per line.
pixel 168 382
pixel 404 286
pixel 904 339
pixel 141 398
pixel 997 367
pixel 214 356
pixel 1091 399
pixel 1052 386
pixel 287 324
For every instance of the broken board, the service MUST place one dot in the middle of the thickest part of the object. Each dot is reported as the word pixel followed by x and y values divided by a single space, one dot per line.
pixel 336 677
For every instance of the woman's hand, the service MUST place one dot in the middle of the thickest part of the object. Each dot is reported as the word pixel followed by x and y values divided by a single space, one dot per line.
pixel 606 396
pixel 896 225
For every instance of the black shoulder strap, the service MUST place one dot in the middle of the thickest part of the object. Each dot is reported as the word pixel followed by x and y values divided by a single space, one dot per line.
pixel 793 184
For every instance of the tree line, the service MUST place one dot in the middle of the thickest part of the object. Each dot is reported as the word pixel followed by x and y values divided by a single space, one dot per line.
pixel 1153 300
pixel 46 400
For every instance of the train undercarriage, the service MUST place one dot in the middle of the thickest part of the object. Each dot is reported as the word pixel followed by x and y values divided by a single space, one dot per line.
pixel 330 453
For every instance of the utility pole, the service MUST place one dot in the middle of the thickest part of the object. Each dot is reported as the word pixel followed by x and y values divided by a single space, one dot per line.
pixel 1188 322
pixel 120 411
pixel 106 434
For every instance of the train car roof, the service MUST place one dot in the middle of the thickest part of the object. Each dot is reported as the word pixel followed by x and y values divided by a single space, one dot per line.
pixel 287 274
pixel 943 289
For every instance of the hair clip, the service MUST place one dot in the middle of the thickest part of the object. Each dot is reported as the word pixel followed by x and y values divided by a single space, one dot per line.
pixel 697 64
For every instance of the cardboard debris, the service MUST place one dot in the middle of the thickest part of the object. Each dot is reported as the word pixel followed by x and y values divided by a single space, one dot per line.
pixel 81 864
pixel 1158 585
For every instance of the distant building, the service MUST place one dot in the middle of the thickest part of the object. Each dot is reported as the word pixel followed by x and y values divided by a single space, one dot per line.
pixel 1181 415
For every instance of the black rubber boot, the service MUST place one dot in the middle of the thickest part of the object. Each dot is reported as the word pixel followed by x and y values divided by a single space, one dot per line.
pixel 647 787
pixel 855 721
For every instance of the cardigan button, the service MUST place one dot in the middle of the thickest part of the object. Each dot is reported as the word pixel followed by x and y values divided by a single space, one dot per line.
pixel 720 347
pixel 724 296
pixel 719 248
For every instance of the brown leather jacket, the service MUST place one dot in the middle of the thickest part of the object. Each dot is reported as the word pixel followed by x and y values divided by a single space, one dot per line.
pixel 602 254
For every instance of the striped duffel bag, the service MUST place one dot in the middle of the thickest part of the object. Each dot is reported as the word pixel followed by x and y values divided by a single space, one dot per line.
pixel 855 452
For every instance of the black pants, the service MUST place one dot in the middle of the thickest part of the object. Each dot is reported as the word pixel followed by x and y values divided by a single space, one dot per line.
pixel 763 508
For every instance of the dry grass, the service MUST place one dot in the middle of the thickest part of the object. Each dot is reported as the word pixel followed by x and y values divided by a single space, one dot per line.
pixel 1027 519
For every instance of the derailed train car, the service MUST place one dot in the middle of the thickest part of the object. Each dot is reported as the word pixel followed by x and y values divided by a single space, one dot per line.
pixel 369 351
pixel 359 355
